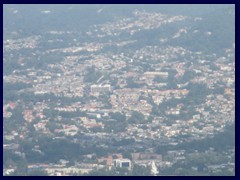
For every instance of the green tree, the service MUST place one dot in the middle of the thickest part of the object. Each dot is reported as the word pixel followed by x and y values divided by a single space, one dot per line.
pixel 38 173
pixel 140 170
pixel 136 117
pixel 117 116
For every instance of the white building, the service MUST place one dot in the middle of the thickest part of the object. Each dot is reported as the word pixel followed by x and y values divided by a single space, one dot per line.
pixel 122 163
pixel 154 170
pixel 154 74
pixel 100 88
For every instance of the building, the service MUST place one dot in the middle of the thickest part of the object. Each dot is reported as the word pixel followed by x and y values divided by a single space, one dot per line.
pixel 100 88
pixel 106 160
pixel 154 170
pixel 146 156
pixel 123 163
pixel 152 74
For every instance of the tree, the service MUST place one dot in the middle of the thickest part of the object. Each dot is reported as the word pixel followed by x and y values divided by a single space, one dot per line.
pixel 92 75
pixel 117 116
pixel 159 79
pixel 188 75
pixel 140 170
pixel 38 173
pixel 115 126
pixel 21 168
pixel 132 84
pixel 51 125
pixel 136 117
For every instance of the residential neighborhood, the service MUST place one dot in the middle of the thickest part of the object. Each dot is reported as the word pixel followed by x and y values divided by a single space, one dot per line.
pixel 116 104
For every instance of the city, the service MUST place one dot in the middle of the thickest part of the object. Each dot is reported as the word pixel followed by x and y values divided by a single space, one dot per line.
pixel 117 103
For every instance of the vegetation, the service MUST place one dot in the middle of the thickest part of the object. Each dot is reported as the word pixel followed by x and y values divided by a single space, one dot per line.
pixel 136 118
pixel 92 75
pixel 219 141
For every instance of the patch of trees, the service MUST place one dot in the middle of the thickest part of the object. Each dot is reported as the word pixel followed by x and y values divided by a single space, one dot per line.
pixel 171 80
pixel 15 121
pixel 136 118
pixel 132 84
pixel 221 24
pixel 140 171
pixel 188 75
pixel 43 60
pixel 92 75
pixel 37 173
pixel 219 141
pixel 117 116
pixel 55 149
pixel 197 93
pixel 15 86
pixel 123 142
pixel 10 66
pixel 199 161
pixel 115 126
pixel 136 171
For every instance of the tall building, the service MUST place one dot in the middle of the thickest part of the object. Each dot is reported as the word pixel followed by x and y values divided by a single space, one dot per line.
pixel 154 170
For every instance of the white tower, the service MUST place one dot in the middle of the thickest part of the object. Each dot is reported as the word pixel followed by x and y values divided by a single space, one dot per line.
pixel 154 170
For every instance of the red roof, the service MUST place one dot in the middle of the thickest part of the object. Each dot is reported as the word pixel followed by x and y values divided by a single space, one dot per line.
pixel 12 105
